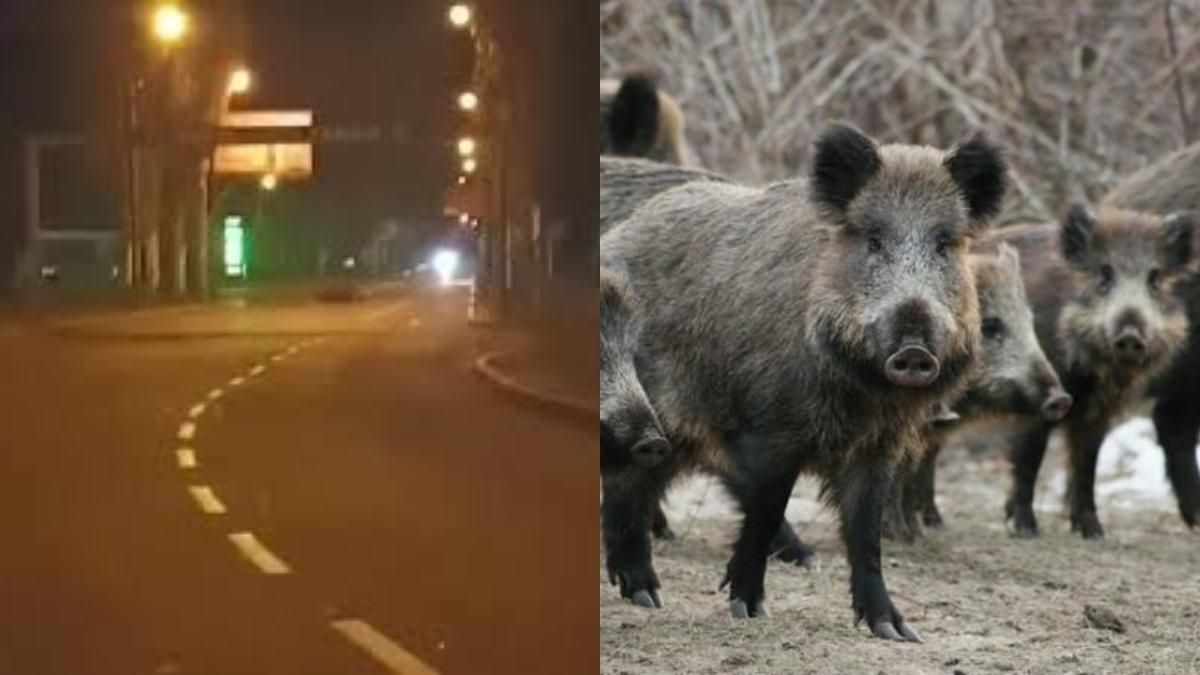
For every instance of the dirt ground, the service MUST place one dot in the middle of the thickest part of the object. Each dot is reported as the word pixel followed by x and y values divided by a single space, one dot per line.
pixel 984 602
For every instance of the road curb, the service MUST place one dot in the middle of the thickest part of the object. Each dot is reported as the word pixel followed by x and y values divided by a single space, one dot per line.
pixel 487 367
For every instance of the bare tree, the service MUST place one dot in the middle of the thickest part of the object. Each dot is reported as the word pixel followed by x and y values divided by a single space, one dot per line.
pixel 1080 92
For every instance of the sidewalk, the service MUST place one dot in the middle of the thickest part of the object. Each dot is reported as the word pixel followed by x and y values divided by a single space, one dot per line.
pixel 553 365
pixel 260 310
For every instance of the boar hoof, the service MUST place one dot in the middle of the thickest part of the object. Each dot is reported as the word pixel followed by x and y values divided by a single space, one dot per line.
pixel 931 517
pixel 662 530
pixel 1190 514
pixel 788 547
pixel 1024 523
pixel 799 554
pixel 888 631
pixel 1088 525
pixel 740 609
pixel 891 626
pixel 639 584
pixel 647 599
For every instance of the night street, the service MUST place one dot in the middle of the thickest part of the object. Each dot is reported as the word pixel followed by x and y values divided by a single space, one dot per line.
pixel 285 487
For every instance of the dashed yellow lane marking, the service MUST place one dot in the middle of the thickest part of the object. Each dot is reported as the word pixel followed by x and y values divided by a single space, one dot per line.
pixel 187 431
pixel 206 499
pixel 237 381
pixel 257 370
pixel 392 656
pixel 186 457
pixel 258 555
pixel 216 394
pixel 196 410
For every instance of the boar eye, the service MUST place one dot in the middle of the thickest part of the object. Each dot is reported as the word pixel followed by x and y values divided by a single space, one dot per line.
pixel 1106 278
pixel 1152 279
pixel 993 328
pixel 874 244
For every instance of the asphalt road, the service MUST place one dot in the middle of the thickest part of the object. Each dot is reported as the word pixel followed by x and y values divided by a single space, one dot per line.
pixel 349 498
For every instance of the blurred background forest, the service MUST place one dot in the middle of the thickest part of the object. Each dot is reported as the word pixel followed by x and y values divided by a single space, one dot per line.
pixel 1080 93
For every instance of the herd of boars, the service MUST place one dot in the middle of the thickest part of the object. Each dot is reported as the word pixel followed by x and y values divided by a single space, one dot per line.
pixel 835 324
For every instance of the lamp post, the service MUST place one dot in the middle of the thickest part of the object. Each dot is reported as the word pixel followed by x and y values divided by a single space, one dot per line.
pixel 168 26
pixel 238 83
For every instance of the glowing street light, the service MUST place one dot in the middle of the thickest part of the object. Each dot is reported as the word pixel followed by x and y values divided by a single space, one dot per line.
pixel 468 165
pixel 462 180
pixel 269 182
pixel 468 101
pixel 240 81
pixel 460 15
pixel 170 24
pixel 464 218
pixel 466 146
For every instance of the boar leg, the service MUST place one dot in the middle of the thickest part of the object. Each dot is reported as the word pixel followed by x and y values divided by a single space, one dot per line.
pixel 1178 424
pixel 894 523
pixel 788 547
pixel 763 496
pixel 924 490
pixel 1028 449
pixel 1085 438
pixel 626 510
pixel 860 491
pixel 659 525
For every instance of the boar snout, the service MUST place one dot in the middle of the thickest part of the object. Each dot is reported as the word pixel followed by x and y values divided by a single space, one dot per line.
pixel 912 366
pixel 651 450
pixel 1057 405
pixel 1130 345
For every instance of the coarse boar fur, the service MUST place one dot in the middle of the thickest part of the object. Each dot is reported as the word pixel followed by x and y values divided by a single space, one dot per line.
pixel 1172 185
pixel 806 326
pixel 1105 310
pixel 1013 377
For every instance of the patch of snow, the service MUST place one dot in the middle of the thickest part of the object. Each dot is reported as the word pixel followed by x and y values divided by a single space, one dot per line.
pixel 1130 472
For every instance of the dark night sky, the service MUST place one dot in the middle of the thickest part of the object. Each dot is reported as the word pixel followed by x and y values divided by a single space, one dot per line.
pixel 385 62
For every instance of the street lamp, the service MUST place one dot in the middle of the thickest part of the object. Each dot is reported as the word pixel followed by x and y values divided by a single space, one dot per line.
pixel 466 146
pixel 269 182
pixel 240 81
pixel 462 180
pixel 170 24
pixel 460 15
pixel 468 101
pixel 468 165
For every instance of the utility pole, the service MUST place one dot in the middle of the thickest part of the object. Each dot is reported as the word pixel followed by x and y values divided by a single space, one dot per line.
pixel 27 269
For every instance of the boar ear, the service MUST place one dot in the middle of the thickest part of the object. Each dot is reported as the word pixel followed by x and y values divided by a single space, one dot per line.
pixel 1177 238
pixel 633 118
pixel 1076 236
pixel 845 160
pixel 978 168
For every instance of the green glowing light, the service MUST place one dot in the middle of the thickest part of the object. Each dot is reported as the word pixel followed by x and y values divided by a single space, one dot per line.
pixel 235 247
